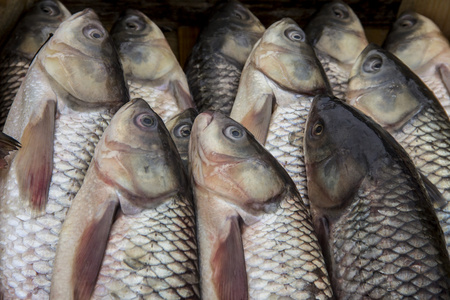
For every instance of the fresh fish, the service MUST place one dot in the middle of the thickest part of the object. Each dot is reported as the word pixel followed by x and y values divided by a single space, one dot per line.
pixel 382 87
pixel 380 236
pixel 67 99
pixel 151 69
pixel 7 144
pixel 151 251
pixel 278 83
pixel 32 30
pixel 338 38
pixel 180 130
pixel 420 44
pixel 255 235
pixel 214 67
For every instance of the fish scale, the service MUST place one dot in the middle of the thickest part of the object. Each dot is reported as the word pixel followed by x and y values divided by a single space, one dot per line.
pixel 28 242
pixel 439 90
pixel 157 246
pixel 268 261
pixel 337 76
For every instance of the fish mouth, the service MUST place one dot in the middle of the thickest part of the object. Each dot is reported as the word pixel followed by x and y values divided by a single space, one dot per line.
pixel 83 13
pixel 206 118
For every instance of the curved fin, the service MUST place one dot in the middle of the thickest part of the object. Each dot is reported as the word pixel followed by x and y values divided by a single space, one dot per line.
pixel 257 120
pixel 7 144
pixel 437 199
pixel 444 72
pixel 182 96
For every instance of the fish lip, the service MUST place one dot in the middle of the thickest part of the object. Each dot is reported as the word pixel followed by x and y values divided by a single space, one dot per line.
pixel 83 12
pixel 209 115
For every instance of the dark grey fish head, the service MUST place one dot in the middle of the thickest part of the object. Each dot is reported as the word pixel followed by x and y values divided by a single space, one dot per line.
pixel 35 27
pixel 408 26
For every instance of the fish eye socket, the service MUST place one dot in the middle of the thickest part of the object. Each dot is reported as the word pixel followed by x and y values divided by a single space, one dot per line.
pixel 183 130
pixel 340 13
pixel 317 129
pixel 407 23
pixel 146 121
pixel 241 15
pixel 49 10
pixel 234 133
pixel 295 35
pixel 373 64
pixel 93 33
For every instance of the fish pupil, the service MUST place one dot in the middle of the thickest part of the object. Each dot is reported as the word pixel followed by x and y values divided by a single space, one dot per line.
pixel 47 10
pixel 318 129
pixel 147 121
pixel 96 35
pixel 131 26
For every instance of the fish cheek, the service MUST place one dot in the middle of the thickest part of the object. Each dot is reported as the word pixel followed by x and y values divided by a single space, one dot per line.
pixel 237 48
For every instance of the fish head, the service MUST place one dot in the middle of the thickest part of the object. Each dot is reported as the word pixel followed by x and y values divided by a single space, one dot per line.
pixel 82 60
pixel 336 31
pixel 143 49
pixel 382 87
pixel 284 55
pixel 35 27
pixel 228 162
pixel 139 158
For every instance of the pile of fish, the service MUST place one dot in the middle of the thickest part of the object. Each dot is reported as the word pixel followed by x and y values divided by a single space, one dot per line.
pixel 281 163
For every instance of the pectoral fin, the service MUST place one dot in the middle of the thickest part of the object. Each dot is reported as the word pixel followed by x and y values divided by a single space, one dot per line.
pixel 182 95
pixel 7 144
pixel 437 199
pixel 228 264
pixel 257 120
pixel 34 162
pixel 445 76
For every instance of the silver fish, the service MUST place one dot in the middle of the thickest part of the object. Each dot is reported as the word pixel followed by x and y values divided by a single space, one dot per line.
pixel 254 232
pixel 420 44
pixel 32 30
pixel 151 251
pixel 278 83
pixel 67 99
pixel 151 69
pixel 214 67
pixel 382 87
pixel 338 37
pixel 380 236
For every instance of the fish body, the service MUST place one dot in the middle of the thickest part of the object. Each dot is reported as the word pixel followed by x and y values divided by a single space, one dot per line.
pixel 338 37
pixel 254 232
pixel 278 83
pixel 380 236
pixel 62 108
pixel 214 67
pixel 33 29
pixel 134 193
pixel 420 44
pixel 382 87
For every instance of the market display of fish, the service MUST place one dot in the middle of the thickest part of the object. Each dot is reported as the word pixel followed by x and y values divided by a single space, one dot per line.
pixel 7 144
pixel 67 99
pixel 380 236
pixel 254 232
pixel 32 30
pixel 420 44
pixel 180 130
pixel 382 87
pixel 151 69
pixel 278 83
pixel 151 251
pixel 214 67
pixel 338 37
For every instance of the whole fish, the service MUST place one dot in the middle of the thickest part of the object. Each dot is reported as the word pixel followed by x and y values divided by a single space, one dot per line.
pixel 255 235
pixel 151 69
pixel 180 130
pixel 278 83
pixel 67 99
pixel 338 37
pixel 32 30
pixel 7 144
pixel 420 44
pixel 382 87
pixel 214 67
pixel 375 222
pixel 151 251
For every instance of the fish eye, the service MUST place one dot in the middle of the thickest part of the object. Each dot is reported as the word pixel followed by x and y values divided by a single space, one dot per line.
pixel 294 35
pixel 134 24
pixel 49 10
pixel 241 15
pixel 234 133
pixel 408 23
pixel 183 130
pixel 340 12
pixel 93 33
pixel 373 64
pixel 146 121
pixel 317 129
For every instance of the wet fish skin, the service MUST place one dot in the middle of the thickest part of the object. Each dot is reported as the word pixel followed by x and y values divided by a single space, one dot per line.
pixel 382 87
pixel 420 44
pixel 152 70
pixel 338 37
pixel 374 219
pixel 32 30
pixel 254 232
pixel 214 67
pixel 151 250
pixel 84 104
pixel 278 83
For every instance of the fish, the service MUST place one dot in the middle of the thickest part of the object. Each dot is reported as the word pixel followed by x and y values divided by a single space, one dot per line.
pixel 386 90
pixel 419 43
pixel 214 66
pixel 31 32
pixel 180 127
pixel 7 144
pixel 337 37
pixel 73 87
pixel 151 69
pixel 254 233
pixel 134 193
pixel 374 219
pixel 278 83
